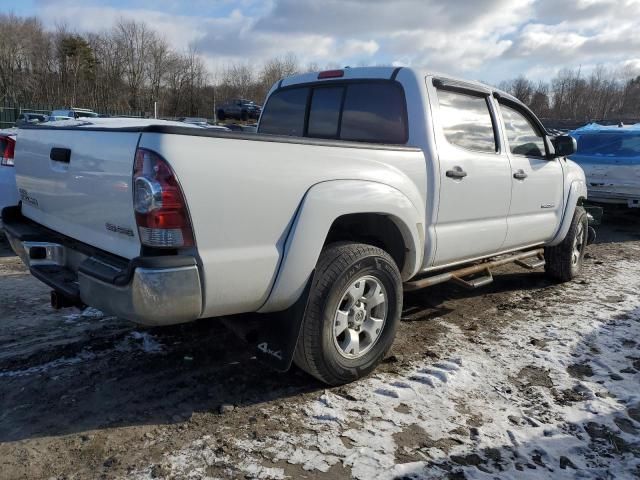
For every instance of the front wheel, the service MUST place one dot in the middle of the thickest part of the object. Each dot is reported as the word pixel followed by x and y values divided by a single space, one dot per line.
pixel 352 315
pixel 564 261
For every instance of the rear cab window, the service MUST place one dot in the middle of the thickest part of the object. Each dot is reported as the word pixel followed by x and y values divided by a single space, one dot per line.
pixel 357 110
pixel 286 113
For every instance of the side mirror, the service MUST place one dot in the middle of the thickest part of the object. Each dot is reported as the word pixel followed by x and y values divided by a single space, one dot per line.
pixel 564 145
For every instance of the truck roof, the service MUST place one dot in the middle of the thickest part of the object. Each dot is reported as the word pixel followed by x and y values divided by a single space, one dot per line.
pixel 388 73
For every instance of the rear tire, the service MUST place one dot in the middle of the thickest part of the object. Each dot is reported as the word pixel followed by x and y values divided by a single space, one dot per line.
pixel 564 261
pixel 221 116
pixel 352 314
pixel 244 115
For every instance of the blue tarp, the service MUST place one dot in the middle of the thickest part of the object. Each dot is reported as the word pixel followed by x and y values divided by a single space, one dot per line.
pixel 607 144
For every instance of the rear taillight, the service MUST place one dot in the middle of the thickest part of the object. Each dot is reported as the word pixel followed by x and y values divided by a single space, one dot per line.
pixel 7 150
pixel 161 211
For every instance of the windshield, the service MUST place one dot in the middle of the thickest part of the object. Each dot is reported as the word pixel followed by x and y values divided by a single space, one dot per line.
pixel 609 144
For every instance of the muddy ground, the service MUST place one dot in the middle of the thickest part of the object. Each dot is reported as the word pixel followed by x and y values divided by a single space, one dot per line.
pixel 88 396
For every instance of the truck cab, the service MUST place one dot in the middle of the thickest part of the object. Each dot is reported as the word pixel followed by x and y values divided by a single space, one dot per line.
pixel 500 186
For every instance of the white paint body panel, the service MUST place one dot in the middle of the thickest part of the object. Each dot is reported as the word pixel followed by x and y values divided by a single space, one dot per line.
pixel 611 183
pixel 243 197
pixel 78 199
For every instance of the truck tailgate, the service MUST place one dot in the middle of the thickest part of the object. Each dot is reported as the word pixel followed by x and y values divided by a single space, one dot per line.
pixel 83 188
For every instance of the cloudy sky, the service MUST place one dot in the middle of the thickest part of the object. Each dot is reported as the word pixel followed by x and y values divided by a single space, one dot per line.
pixel 489 40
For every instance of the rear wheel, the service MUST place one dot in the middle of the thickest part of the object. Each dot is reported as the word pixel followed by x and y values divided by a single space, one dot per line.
pixel 244 115
pixel 564 261
pixel 221 116
pixel 352 315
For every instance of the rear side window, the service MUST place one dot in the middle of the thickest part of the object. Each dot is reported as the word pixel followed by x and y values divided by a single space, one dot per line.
pixel 284 113
pixel 466 121
pixel 358 111
pixel 523 137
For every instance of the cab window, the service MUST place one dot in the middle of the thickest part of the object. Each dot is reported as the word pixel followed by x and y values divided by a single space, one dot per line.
pixel 524 138
pixel 285 112
pixel 324 114
pixel 466 121
pixel 360 111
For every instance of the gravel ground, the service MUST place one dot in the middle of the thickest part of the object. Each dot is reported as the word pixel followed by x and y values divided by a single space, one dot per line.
pixel 521 379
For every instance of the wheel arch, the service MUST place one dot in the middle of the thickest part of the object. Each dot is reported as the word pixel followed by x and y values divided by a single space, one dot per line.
pixel 377 229
pixel 576 196
pixel 326 214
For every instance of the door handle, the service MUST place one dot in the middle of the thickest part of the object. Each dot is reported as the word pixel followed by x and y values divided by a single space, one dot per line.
pixel 520 175
pixel 457 172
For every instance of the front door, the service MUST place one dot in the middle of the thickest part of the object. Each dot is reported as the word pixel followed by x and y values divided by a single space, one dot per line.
pixel 475 177
pixel 537 182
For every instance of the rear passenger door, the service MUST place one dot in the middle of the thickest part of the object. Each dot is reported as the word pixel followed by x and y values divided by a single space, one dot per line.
pixel 475 176
pixel 537 181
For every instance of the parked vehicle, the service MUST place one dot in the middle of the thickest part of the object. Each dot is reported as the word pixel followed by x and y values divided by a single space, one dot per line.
pixel 56 118
pixel 203 123
pixel 238 109
pixel 359 184
pixel 610 157
pixel 8 189
pixel 75 113
pixel 236 127
pixel 26 118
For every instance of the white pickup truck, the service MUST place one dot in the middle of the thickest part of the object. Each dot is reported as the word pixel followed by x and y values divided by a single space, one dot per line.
pixel 359 183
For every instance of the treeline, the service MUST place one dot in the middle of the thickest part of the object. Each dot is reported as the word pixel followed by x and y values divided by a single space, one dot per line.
pixel 125 69
pixel 571 95
pixel 130 67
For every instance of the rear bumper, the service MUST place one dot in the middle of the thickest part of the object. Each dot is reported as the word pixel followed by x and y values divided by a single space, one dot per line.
pixel 613 194
pixel 147 290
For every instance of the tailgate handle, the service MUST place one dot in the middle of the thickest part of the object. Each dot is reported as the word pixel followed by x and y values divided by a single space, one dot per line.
pixel 62 155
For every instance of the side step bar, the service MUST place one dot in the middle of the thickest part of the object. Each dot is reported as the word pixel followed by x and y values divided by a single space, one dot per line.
pixel 457 276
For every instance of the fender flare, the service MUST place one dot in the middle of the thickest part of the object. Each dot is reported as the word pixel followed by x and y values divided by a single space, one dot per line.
pixel 577 191
pixel 321 206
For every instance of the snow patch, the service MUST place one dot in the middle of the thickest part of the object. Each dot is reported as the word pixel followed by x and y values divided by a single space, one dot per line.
pixel 83 356
pixel 88 313
pixel 555 397
pixel 140 341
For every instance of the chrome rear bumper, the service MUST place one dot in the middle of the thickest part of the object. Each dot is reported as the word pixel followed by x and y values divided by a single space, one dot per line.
pixel 153 296
pixel 147 290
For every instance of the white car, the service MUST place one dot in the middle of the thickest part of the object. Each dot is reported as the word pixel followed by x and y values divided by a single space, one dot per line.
pixel 359 184
pixel 8 190
pixel 74 113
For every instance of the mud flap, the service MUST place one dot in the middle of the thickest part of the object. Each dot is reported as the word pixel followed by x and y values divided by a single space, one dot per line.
pixel 594 214
pixel 273 336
